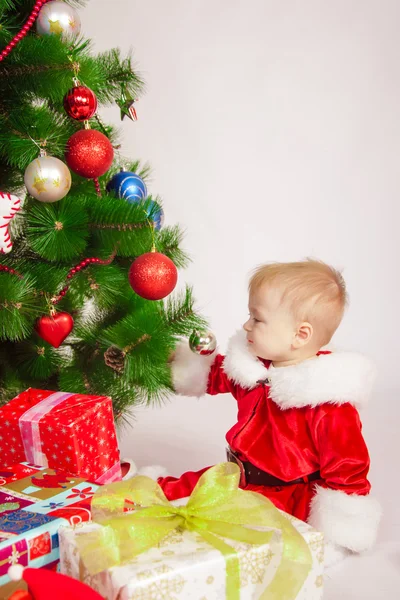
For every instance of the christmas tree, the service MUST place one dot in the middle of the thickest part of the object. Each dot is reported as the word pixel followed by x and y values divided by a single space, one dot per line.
pixel 86 267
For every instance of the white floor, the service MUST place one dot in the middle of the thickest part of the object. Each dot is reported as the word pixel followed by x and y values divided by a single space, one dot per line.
pixel 375 576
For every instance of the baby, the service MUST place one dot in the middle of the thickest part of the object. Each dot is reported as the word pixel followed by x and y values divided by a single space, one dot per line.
pixel 298 437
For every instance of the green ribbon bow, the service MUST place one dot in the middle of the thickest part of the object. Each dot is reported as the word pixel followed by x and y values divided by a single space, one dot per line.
pixel 216 509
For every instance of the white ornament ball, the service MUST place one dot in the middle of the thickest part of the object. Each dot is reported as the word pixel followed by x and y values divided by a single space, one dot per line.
pixel 15 572
pixel 58 18
pixel 47 179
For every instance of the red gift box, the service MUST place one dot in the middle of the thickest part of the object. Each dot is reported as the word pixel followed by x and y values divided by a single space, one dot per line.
pixel 71 432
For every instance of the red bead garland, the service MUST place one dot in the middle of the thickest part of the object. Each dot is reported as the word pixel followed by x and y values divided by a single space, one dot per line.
pixel 11 271
pixel 97 186
pixel 17 38
pixel 84 263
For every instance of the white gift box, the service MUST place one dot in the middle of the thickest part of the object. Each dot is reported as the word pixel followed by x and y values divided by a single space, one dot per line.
pixel 185 566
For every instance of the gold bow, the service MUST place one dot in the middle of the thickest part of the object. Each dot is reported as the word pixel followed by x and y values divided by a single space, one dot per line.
pixel 216 509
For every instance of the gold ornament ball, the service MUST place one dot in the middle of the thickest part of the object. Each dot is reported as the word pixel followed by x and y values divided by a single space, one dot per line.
pixel 203 343
pixel 47 179
pixel 58 18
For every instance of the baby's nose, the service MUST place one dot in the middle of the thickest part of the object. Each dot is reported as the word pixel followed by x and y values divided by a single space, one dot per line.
pixel 247 326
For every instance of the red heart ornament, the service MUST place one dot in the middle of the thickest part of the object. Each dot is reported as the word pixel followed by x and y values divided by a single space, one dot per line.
pixel 55 328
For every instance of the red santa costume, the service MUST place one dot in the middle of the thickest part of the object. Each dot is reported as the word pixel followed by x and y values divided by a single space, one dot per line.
pixel 297 438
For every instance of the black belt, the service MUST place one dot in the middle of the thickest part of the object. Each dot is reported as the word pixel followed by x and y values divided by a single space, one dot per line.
pixel 250 474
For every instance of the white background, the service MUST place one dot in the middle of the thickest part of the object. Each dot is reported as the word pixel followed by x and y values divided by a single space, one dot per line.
pixel 273 130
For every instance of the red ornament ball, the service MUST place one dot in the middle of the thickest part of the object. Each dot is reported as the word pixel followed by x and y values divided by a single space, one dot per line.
pixel 80 103
pixel 153 276
pixel 89 153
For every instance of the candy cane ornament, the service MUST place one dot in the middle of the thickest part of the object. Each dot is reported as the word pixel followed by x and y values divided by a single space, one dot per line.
pixel 9 206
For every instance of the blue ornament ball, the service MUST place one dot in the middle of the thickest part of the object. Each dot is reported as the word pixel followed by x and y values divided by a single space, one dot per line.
pixel 157 216
pixel 128 186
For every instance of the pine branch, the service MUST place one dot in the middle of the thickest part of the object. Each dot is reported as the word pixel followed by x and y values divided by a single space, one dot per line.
pixel 119 73
pixel 168 241
pixel 58 231
pixel 113 219
pixel 144 171
pixel 19 307
pixel 22 132
pixel 20 141
pixel 38 360
pixel 12 71
pixel 11 383
pixel 180 316
pixel 7 5
pixel 47 278
pixel 47 64
pixel 11 179
pixel 103 285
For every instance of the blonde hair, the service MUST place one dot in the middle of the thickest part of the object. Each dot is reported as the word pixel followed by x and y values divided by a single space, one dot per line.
pixel 315 292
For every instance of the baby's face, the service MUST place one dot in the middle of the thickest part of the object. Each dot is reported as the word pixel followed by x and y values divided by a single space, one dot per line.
pixel 271 328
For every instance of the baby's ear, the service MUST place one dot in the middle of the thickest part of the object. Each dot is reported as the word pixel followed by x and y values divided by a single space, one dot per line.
pixel 304 334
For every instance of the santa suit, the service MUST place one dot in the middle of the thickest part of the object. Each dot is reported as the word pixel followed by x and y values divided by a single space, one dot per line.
pixel 293 422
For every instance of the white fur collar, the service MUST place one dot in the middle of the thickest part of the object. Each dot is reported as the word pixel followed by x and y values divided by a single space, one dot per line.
pixel 335 378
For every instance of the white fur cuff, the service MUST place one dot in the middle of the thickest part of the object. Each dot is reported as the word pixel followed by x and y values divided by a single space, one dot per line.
pixel 153 471
pixel 190 371
pixel 348 520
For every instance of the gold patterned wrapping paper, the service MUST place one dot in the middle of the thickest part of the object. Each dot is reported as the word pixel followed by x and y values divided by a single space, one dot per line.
pixel 184 566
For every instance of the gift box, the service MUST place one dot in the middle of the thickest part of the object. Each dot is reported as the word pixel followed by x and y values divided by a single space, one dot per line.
pixel 184 566
pixel 71 432
pixel 192 565
pixel 34 503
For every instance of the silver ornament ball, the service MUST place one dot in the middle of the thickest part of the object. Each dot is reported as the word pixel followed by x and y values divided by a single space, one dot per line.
pixel 58 18
pixel 203 343
pixel 47 179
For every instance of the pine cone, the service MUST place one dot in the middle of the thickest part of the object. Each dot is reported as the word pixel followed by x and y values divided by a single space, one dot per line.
pixel 114 358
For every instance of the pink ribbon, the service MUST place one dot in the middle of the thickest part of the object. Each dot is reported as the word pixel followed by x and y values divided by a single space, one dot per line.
pixel 29 427
pixel 113 474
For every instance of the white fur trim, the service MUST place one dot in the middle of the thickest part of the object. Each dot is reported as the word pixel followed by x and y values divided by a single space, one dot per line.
pixel 190 371
pixel 153 471
pixel 240 365
pixel 336 378
pixel 347 520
